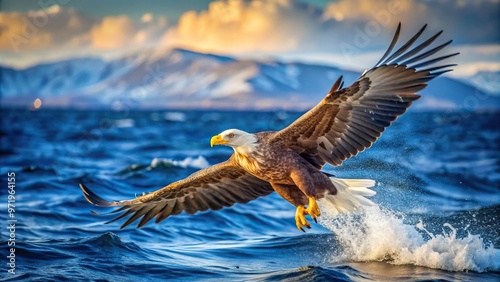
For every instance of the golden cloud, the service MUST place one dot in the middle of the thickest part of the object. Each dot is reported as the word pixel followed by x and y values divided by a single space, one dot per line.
pixel 386 12
pixel 112 32
pixel 274 27
pixel 58 27
pixel 241 26
pixel 40 29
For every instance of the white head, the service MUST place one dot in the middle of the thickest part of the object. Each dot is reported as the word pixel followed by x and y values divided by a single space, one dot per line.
pixel 235 138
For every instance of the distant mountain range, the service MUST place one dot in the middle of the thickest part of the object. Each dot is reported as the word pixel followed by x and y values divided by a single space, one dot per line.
pixel 487 81
pixel 177 78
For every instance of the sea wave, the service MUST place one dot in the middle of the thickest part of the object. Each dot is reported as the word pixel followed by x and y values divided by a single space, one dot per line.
pixel 450 184
pixel 175 116
pixel 378 234
pixel 162 163
pixel 124 123
pixel 198 162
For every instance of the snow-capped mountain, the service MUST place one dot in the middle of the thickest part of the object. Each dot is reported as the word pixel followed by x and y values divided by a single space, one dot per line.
pixel 177 78
pixel 487 81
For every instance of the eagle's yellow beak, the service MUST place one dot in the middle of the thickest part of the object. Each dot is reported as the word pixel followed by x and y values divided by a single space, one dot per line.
pixel 217 140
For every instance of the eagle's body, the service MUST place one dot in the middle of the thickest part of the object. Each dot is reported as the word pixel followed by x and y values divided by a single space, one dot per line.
pixel 259 158
pixel 346 122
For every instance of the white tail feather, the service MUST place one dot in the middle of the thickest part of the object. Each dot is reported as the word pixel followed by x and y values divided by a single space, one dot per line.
pixel 350 196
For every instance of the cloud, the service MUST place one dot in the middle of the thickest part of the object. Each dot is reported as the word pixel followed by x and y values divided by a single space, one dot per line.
pixel 470 69
pixel 116 32
pixel 55 29
pixel 277 26
pixel 385 12
pixel 238 26
pixel 350 33
pixel 112 32
pixel 470 21
pixel 475 58
pixel 146 18
pixel 40 29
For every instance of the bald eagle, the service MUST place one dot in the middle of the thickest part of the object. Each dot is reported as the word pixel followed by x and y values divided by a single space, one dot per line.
pixel 347 121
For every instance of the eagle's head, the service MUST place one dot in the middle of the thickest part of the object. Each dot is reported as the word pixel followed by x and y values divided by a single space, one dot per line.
pixel 239 140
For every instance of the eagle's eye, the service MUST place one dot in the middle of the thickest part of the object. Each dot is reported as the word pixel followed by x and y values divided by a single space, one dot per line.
pixel 231 135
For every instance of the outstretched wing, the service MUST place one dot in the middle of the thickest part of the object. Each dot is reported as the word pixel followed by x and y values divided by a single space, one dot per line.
pixel 218 186
pixel 348 120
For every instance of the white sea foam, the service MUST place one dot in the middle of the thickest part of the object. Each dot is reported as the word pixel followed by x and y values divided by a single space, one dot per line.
pixel 381 235
pixel 175 116
pixel 124 123
pixel 199 162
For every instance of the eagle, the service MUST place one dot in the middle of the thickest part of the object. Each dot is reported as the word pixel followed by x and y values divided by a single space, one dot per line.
pixel 347 121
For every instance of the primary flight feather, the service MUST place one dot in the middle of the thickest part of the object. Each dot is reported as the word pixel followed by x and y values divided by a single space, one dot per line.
pixel 346 122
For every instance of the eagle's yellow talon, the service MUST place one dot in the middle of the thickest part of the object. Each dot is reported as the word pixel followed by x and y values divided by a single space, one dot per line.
pixel 300 219
pixel 313 209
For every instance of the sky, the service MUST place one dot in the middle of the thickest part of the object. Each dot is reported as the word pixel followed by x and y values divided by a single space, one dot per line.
pixel 346 33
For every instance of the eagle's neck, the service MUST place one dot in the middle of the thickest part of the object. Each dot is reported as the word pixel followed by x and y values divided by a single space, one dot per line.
pixel 248 149
pixel 248 153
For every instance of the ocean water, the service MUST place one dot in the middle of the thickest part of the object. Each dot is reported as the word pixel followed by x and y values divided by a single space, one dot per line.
pixel 437 213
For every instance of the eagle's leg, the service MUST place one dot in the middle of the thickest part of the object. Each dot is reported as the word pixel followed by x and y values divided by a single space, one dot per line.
pixel 313 209
pixel 300 218
pixel 294 195
pixel 306 184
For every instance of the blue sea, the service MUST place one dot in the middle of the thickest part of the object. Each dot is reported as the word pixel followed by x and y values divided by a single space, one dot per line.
pixel 437 216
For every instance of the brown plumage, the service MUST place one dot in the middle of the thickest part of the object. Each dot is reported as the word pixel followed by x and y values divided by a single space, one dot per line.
pixel 215 187
pixel 346 122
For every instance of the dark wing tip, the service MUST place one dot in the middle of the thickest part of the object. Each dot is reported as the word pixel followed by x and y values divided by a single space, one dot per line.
pixel 432 61
pixel 92 197
pixel 418 57
pixel 401 51
pixel 391 46
pixel 337 85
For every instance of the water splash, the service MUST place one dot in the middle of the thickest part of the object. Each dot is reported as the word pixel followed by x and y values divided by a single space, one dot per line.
pixel 377 234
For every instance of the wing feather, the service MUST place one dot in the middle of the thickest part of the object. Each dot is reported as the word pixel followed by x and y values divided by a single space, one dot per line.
pixel 406 45
pixel 150 214
pixel 349 120
pixel 391 46
pixel 219 186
